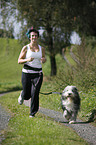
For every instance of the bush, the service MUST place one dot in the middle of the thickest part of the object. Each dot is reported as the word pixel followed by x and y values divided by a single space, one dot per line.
pixel 6 34
pixel 83 75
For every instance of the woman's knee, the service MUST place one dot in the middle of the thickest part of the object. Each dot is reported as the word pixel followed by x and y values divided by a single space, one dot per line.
pixel 26 95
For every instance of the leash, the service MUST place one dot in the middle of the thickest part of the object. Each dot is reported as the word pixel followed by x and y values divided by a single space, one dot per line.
pixel 41 92
pixel 50 93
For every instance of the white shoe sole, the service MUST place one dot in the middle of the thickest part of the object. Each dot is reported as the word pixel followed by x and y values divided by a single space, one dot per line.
pixel 31 116
pixel 20 100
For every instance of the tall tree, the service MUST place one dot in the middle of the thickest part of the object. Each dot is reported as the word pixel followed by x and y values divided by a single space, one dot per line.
pixel 58 18
pixel 43 14
pixel 84 13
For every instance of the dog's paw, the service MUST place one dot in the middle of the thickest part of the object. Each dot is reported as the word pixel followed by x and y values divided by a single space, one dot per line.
pixel 71 122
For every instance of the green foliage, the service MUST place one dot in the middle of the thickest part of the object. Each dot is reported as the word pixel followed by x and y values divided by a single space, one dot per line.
pixel 83 73
pixel 5 33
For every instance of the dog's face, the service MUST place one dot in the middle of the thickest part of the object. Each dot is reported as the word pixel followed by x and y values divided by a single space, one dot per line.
pixel 69 96
pixel 70 92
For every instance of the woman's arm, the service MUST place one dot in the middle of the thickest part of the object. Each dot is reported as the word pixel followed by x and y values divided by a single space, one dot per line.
pixel 22 55
pixel 43 59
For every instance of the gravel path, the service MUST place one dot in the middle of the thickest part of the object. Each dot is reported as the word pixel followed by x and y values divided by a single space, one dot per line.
pixel 83 129
pixel 4 119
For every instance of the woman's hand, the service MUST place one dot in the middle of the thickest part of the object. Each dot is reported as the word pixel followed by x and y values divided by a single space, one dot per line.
pixel 30 59
pixel 22 55
pixel 43 59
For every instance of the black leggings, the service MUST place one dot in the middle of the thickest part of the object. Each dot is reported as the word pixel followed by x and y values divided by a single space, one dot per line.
pixel 31 86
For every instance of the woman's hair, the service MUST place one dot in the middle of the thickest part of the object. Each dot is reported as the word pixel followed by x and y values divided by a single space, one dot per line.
pixel 32 30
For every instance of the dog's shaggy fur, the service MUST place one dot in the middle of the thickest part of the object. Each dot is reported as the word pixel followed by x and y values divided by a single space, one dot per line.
pixel 70 101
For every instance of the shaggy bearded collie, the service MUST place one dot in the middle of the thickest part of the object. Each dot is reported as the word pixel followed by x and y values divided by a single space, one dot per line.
pixel 70 102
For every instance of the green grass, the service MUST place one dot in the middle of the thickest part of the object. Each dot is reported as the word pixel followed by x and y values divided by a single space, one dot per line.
pixel 88 105
pixel 67 54
pixel 40 130
pixel 22 130
pixel 10 71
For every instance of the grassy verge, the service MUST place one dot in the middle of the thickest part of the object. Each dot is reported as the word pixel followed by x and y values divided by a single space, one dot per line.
pixel 40 130
pixel 88 106
pixel 10 71
pixel 67 54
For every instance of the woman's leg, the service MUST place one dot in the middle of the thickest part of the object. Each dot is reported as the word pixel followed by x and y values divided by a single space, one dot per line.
pixel 26 83
pixel 35 89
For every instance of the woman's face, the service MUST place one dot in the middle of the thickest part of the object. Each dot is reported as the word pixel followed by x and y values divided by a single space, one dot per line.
pixel 33 36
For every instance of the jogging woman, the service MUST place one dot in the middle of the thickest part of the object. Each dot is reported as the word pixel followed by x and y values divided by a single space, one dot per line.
pixel 32 56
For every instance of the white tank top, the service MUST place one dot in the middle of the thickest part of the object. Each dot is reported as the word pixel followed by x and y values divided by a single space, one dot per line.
pixel 36 63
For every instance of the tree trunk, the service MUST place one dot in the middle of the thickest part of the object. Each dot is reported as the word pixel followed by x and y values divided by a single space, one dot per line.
pixel 52 52
pixel 53 65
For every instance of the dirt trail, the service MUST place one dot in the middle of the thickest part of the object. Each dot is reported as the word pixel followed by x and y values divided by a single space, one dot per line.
pixel 4 119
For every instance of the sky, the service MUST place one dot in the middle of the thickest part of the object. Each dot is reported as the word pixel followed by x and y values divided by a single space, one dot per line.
pixel 75 39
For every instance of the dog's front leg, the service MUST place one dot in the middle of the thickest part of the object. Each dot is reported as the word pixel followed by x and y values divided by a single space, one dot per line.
pixel 73 118
pixel 66 114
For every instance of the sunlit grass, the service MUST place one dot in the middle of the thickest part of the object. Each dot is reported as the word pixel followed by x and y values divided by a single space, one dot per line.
pixel 10 71
pixel 69 58
pixel 88 104
pixel 40 130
